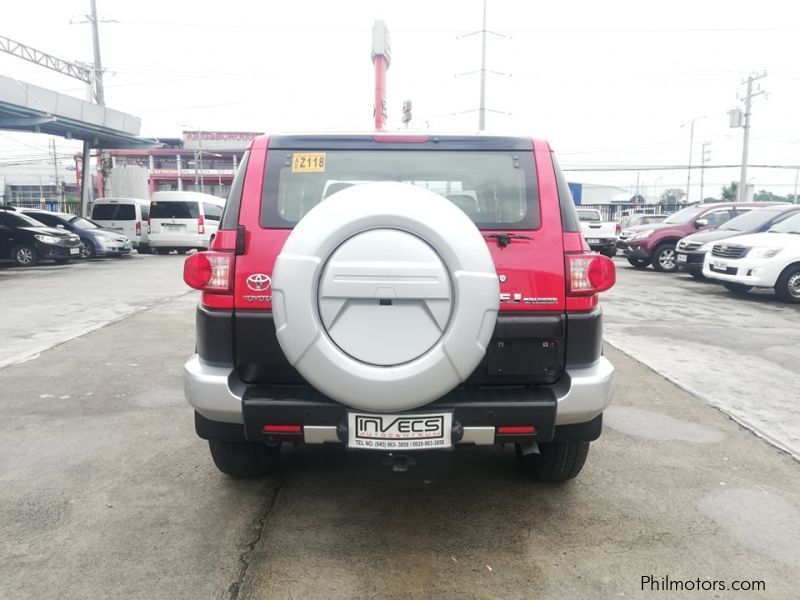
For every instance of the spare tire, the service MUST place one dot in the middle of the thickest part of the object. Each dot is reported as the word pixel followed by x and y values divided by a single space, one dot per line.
pixel 385 296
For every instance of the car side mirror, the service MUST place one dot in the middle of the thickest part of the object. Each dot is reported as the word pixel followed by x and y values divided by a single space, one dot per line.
pixel 701 223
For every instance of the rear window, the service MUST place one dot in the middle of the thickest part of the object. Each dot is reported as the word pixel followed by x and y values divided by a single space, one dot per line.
pixel 114 212
pixel 496 189
pixel 588 215
pixel 174 210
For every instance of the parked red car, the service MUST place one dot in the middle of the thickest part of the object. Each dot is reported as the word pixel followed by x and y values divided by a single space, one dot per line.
pixel 655 243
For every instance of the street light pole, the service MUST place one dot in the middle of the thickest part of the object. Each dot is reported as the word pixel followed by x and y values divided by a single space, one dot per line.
pixel 703 159
pixel 691 146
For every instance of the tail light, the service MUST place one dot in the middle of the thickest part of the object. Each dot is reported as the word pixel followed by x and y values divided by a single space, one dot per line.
pixel 210 272
pixel 138 228
pixel 148 225
pixel 201 224
pixel 618 228
pixel 589 274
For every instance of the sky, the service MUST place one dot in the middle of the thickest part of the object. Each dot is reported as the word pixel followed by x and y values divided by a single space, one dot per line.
pixel 609 84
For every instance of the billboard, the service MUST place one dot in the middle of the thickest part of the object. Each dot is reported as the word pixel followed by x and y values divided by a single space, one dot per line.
pixel 217 140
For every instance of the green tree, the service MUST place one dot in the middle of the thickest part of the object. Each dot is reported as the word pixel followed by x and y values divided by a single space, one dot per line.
pixel 765 196
pixel 672 196
pixel 730 192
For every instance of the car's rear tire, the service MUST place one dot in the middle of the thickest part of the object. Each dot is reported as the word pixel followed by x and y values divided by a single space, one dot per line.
pixel 24 255
pixel 736 288
pixel 638 263
pixel 787 287
pixel 244 459
pixel 665 259
pixel 555 461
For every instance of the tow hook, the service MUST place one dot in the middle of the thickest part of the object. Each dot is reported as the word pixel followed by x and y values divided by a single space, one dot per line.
pixel 399 462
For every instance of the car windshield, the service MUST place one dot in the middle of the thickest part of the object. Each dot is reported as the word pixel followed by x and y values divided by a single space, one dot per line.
pixel 82 223
pixel 496 189
pixel 684 216
pixel 790 225
pixel 750 221
pixel 588 215
pixel 16 219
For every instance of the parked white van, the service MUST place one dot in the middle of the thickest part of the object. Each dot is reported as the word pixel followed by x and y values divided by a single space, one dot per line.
pixel 126 215
pixel 183 220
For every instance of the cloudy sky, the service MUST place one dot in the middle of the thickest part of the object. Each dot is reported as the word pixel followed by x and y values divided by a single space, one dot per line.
pixel 609 84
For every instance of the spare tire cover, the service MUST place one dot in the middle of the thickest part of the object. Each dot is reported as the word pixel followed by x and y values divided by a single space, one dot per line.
pixel 385 296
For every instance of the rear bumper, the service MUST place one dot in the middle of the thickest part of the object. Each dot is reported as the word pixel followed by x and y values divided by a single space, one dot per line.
pixel 177 241
pixel 637 251
pixel 755 272
pixel 579 398
pixel 603 244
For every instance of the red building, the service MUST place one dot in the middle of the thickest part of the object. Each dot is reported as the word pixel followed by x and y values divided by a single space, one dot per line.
pixel 202 161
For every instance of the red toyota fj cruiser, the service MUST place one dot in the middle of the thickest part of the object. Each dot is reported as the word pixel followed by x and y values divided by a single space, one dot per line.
pixel 399 293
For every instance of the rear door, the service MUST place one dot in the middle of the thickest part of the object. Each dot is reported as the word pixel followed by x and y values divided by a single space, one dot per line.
pixel 497 182
pixel 174 219
pixel 116 216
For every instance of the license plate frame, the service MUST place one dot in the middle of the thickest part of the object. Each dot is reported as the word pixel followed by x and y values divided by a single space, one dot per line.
pixel 592 241
pixel 74 251
pixel 682 258
pixel 400 431
pixel 719 266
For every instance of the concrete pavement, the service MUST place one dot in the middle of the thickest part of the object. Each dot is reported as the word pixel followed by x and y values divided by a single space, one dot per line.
pixel 106 492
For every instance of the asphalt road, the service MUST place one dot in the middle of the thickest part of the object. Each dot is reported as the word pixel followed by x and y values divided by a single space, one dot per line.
pixel 740 353
pixel 106 492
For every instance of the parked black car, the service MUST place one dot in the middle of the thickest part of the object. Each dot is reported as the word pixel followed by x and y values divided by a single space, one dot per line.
pixel 27 241
pixel 692 249
pixel 96 240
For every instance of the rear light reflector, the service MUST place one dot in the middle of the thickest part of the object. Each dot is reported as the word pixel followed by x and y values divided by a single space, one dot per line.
pixel 589 274
pixel 618 228
pixel 201 224
pixel 283 429
pixel 138 228
pixel 516 430
pixel 209 272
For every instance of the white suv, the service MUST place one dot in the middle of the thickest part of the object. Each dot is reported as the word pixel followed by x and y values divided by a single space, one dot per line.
pixel 762 260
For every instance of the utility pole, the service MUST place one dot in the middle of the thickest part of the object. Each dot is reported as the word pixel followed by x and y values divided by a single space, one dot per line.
pixel 705 156
pixel 381 58
pixel 691 146
pixel 99 93
pixel 748 100
pixel 482 103
pixel 796 176
pixel 55 163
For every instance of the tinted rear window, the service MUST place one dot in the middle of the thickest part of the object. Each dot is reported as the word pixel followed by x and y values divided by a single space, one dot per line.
pixel 114 212
pixel 496 189
pixel 174 210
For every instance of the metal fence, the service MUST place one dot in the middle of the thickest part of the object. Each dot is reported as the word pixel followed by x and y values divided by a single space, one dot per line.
pixel 615 212
pixel 73 208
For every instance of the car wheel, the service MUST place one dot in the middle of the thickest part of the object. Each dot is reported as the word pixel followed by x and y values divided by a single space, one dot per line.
pixel 24 255
pixel 88 250
pixel 555 461
pixel 736 288
pixel 638 263
pixel 244 459
pixel 788 286
pixel 665 259
pixel 423 268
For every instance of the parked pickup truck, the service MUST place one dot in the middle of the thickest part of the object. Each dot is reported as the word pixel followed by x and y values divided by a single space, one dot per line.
pixel 600 235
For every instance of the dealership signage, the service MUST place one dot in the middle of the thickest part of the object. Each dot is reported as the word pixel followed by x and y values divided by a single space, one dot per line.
pixel 217 140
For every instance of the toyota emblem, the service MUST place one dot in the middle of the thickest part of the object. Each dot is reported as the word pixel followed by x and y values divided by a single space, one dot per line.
pixel 258 282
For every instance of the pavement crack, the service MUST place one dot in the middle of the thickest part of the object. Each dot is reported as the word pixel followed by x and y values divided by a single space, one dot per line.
pixel 257 529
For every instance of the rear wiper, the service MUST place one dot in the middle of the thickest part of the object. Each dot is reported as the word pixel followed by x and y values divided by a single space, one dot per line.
pixel 504 239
